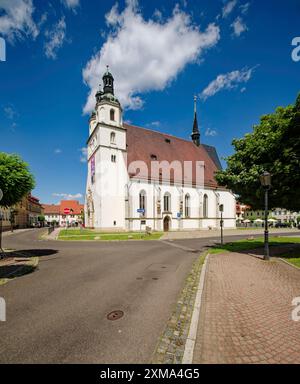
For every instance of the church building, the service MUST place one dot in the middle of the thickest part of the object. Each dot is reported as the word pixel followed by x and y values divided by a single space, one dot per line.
pixel 140 178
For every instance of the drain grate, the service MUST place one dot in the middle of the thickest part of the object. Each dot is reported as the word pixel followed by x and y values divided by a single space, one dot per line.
pixel 115 315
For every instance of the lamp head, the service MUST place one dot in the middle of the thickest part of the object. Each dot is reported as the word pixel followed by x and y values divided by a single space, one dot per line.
pixel 265 179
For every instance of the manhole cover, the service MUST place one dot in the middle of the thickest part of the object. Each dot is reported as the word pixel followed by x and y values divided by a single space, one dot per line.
pixel 115 315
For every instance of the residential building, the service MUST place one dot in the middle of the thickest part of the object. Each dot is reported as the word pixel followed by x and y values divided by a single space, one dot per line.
pixel 66 213
pixel 23 214
pixel 240 211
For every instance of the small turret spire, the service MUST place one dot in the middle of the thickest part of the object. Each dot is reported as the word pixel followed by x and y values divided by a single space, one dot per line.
pixel 195 134
pixel 108 82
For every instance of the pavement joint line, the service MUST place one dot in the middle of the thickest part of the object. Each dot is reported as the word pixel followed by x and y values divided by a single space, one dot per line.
pixel 179 246
pixel 192 335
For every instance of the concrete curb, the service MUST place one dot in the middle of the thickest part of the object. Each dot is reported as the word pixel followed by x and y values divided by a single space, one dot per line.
pixel 290 264
pixel 191 339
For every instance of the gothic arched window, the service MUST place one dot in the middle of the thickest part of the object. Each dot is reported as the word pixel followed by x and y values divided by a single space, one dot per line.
pixel 187 205
pixel 112 115
pixel 205 206
pixel 142 204
pixel 167 202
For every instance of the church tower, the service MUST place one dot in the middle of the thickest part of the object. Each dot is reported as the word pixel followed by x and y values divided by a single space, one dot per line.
pixel 107 158
pixel 195 134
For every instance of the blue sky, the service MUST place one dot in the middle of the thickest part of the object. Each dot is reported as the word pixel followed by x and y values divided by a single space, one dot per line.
pixel 235 55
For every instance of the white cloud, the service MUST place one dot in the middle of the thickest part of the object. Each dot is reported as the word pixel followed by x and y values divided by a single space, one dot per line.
pixel 227 81
pixel 57 151
pixel 244 8
pixel 55 38
pixel 146 55
pixel 83 155
pixel 154 124
pixel 68 196
pixel 228 8
pixel 10 112
pixel 71 4
pixel 243 89
pixel 239 26
pixel 211 132
pixel 16 19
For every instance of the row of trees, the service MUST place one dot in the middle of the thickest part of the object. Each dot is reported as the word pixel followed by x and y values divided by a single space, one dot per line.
pixel 273 146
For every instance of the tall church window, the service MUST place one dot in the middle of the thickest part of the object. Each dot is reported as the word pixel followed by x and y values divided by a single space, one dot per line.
pixel 187 205
pixel 143 201
pixel 167 202
pixel 112 138
pixel 205 206
pixel 112 115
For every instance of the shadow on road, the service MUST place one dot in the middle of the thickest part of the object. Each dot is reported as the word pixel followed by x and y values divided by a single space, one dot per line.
pixel 13 271
pixel 27 253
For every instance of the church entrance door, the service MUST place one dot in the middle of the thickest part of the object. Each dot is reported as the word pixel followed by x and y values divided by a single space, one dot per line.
pixel 167 222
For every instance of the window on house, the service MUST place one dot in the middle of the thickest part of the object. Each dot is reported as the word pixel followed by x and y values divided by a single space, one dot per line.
pixel 187 205
pixel 112 115
pixel 205 206
pixel 167 202
pixel 112 138
pixel 142 201
pixel 113 158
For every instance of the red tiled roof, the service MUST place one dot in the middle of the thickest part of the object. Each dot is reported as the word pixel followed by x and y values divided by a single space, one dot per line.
pixel 143 143
pixel 73 205
pixel 50 209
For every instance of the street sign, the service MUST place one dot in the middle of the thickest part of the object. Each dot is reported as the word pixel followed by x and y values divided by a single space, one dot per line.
pixel 67 211
pixel 178 215
pixel 140 211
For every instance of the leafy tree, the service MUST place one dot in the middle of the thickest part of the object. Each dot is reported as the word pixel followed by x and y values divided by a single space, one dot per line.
pixel 41 218
pixel 274 146
pixel 15 179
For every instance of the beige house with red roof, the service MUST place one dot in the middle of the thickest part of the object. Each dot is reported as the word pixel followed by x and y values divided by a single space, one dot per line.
pixel 67 213
pixel 139 177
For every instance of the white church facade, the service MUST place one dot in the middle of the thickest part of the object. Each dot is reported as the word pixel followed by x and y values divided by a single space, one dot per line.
pixel 140 178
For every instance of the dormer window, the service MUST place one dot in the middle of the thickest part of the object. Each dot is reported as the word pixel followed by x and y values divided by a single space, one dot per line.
pixel 168 141
pixel 112 115
pixel 153 157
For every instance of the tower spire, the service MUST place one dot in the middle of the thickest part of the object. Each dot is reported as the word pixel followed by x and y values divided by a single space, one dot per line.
pixel 195 134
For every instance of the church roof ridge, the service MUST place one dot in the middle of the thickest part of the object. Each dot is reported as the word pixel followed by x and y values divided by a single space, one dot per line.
pixel 162 133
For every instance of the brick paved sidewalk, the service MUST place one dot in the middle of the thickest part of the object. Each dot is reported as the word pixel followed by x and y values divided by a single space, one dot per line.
pixel 246 312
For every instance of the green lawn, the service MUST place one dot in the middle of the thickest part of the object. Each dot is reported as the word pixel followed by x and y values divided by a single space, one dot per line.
pixel 87 234
pixel 244 245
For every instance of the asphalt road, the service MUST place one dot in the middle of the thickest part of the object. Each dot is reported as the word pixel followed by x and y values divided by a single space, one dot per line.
pixel 58 314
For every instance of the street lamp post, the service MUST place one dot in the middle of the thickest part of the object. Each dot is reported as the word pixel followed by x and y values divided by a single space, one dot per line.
pixel 265 180
pixel 221 208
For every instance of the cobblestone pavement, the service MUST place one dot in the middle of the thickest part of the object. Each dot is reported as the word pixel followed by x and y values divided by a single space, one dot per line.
pixel 171 344
pixel 246 315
